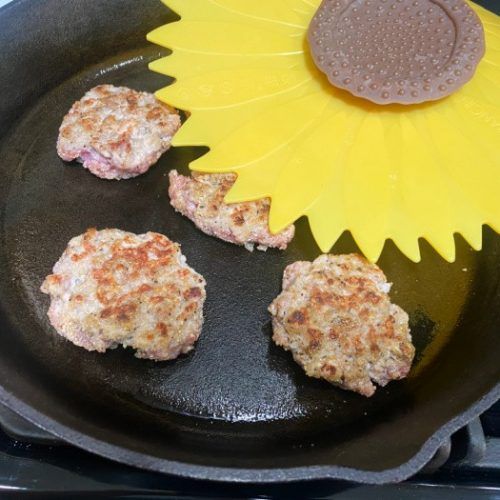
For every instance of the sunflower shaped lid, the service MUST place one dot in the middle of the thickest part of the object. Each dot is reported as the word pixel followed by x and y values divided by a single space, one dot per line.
pixel 258 100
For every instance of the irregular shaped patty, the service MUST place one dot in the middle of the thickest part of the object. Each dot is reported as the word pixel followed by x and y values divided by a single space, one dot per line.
pixel 116 132
pixel 111 287
pixel 336 318
pixel 201 199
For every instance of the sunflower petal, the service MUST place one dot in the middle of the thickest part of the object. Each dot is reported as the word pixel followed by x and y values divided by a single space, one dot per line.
pixel 225 88
pixel 227 38
pixel 312 168
pixel 279 11
pixel 183 64
pixel 256 99
pixel 213 126
pixel 239 148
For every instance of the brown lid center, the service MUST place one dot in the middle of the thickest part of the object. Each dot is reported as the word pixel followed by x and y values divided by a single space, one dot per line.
pixel 402 51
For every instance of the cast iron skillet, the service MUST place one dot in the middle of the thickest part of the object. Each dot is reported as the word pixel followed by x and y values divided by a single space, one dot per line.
pixel 237 408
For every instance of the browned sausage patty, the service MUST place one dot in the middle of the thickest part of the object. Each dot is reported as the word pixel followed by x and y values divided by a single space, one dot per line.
pixel 111 287
pixel 335 316
pixel 201 199
pixel 116 132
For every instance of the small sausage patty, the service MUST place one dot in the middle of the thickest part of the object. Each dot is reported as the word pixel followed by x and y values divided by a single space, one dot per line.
pixel 201 199
pixel 111 287
pixel 116 132
pixel 336 318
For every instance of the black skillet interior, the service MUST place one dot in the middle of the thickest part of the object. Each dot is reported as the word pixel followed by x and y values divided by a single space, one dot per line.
pixel 237 407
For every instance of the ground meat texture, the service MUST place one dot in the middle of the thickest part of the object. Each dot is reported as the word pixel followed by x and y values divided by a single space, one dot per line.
pixel 201 199
pixel 112 287
pixel 336 318
pixel 116 132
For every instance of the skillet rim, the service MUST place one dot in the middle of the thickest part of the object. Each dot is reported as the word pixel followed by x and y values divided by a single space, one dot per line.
pixel 244 476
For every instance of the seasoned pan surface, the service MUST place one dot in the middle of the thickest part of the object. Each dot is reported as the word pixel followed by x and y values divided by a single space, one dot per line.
pixel 236 408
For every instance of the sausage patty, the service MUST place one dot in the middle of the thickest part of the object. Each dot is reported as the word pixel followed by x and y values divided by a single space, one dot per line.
pixel 335 316
pixel 116 132
pixel 201 199
pixel 111 287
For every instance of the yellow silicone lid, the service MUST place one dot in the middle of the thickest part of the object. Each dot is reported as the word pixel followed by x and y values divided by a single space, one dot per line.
pixel 244 73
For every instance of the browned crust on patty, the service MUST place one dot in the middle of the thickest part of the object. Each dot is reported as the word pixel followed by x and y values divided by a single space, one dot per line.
pixel 335 316
pixel 201 199
pixel 117 132
pixel 111 287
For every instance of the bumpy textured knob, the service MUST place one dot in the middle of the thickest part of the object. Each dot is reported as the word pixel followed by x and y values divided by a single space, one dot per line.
pixel 397 51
